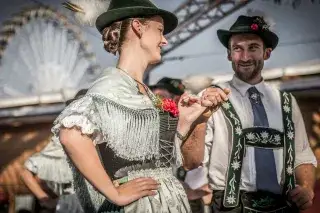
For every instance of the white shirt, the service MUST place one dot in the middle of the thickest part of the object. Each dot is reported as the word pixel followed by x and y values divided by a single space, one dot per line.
pixel 218 135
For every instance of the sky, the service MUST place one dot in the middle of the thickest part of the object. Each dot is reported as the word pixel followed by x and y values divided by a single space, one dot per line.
pixel 297 30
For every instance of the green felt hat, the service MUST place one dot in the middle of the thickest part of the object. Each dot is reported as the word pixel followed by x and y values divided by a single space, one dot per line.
pixel 122 9
pixel 253 25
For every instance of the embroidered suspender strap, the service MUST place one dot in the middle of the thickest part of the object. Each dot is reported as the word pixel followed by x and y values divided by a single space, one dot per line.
pixel 289 147
pixel 263 137
pixel 232 190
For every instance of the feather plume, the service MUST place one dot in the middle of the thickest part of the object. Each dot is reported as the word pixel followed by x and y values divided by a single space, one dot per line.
pixel 87 11
pixel 196 83
pixel 269 20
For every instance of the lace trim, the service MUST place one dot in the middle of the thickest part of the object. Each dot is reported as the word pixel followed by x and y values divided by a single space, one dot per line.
pixel 81 121
pixel 84 125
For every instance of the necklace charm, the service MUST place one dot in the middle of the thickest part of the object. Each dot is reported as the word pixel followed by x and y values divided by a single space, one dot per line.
pixel 255 97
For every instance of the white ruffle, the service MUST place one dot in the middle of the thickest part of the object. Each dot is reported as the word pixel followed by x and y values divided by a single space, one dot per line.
pixel 80 121
pixel 81 115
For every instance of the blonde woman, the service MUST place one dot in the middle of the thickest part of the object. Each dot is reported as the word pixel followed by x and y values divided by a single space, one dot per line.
pixel 120 140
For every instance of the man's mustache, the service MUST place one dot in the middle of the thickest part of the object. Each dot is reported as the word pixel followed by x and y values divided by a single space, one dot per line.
pixel 247 63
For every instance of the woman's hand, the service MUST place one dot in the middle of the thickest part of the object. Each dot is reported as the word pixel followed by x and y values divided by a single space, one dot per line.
pixel 135 189
pixel 192 107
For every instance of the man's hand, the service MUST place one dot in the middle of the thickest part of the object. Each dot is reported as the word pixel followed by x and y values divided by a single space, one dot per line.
pixel 302 197
pixel 213 98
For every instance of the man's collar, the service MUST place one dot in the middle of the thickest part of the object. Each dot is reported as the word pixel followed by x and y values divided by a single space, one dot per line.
pixel 243 87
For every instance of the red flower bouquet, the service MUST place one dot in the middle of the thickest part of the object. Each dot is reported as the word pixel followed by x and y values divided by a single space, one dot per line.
pixel 167 105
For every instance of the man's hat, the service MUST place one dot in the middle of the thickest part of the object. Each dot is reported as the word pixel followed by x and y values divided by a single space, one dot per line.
pixel 122 9
pixel 253 25
pixel 173 85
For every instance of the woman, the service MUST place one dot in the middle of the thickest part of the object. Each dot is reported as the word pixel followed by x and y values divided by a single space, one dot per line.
pixel 117 134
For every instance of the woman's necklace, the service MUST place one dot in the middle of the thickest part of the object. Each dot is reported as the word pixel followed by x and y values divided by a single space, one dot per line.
pixel 151 96
pixel 159 104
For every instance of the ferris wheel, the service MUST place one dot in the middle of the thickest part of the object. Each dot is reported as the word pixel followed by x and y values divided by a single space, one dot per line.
pixel 42 52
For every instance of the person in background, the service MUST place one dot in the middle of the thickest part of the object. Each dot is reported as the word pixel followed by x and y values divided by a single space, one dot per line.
pixel 49 178
pixel 168 88
pixel 194 84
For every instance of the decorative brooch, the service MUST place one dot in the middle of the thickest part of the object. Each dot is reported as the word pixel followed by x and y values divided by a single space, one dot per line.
pixel 259 23
pixel 254 27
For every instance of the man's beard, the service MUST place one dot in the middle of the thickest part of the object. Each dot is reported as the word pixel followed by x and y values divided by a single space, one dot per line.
pixel 250 73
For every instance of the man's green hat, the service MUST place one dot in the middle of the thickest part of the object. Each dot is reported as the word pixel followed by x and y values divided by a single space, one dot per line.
pixel 253 25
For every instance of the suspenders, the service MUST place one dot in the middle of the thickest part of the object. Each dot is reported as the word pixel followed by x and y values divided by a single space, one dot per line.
pixel 258 137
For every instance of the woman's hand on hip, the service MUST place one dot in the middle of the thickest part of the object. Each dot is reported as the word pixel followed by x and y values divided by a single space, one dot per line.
pixel 135 189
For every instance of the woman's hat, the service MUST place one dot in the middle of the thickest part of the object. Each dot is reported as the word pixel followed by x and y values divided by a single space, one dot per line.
pixel 122 9
pixel 246 24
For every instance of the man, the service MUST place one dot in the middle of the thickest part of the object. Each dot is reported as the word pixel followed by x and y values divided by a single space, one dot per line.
pixel 168 88
pixel 255 145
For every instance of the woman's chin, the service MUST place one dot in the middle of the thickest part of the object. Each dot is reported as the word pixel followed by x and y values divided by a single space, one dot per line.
pixel 155 60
